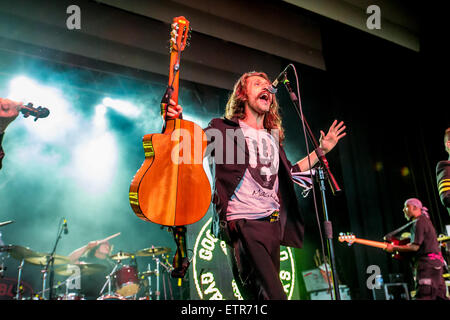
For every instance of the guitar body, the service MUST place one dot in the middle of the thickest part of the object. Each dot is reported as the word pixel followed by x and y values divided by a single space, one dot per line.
pixel 398 255
pixel 171 188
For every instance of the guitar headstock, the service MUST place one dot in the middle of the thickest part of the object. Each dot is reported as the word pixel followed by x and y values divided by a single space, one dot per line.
pixel 180 34
pixel 347 237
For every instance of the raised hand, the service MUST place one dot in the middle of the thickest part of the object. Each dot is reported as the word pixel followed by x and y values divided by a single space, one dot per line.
pixel 335 133
pixel 9 110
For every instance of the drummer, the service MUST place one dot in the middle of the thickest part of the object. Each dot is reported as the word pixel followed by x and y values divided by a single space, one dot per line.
pixel 95 252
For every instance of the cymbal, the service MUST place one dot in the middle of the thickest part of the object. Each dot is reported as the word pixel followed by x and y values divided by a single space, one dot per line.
pixel 43 259
pixel 33 257
pixel 19 252
pixel 152 251
pixel 85 269
pixel 121 256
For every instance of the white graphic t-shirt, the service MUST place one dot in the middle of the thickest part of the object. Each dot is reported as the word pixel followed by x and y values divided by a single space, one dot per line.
pixel 256 196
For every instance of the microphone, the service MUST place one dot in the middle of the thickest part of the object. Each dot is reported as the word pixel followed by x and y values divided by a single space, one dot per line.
pixel 273 87
pixel 66 231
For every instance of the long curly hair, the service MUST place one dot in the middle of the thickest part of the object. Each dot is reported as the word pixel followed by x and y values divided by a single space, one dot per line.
pixel 236 105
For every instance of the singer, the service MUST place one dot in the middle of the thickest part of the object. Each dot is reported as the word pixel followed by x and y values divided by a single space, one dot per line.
pixel 255 206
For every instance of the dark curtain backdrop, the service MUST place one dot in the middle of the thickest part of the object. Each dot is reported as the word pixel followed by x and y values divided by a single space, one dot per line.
pixel 389 98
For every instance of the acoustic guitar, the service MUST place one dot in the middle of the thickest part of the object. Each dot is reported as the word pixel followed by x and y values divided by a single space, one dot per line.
pixel 171 188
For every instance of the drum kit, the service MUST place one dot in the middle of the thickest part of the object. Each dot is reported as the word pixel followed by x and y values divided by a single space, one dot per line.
pixel 124 282
pixel 129 283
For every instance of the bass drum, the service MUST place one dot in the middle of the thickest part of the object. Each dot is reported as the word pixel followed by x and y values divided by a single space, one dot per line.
pixel 127 281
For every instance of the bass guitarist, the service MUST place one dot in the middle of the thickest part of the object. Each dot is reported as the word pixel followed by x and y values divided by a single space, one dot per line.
pixel 428 263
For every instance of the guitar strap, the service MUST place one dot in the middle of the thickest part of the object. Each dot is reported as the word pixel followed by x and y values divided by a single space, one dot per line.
pixel 389 236
pixel 180 261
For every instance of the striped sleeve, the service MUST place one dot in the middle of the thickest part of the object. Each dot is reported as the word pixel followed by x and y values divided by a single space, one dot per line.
pixel 443 182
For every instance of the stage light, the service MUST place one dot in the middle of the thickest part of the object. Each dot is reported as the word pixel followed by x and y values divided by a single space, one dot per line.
pixel 96 155
pixel 126 108
pixel 99 117
pixel 202 123
pixel 96 161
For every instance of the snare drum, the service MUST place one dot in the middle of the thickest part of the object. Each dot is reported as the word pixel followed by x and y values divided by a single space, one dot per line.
pixel 127 281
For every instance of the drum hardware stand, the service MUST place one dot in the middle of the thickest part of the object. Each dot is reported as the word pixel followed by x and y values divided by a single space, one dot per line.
pixel 329 176
pixel 51 260
pixel 149 282
pixel 158 293
pixel 108 278
pixel 168 268
pixel 19 279
pixel 2 269
pixel 44 280
pixel 42 293
pixel 2 265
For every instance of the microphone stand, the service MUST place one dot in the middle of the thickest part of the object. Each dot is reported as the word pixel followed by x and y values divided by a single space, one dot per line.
pixel 50 263
pixel 324 174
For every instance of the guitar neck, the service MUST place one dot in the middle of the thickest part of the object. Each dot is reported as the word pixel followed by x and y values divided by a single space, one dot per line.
pixel 178 41
pixel 377 244
pixel 174 74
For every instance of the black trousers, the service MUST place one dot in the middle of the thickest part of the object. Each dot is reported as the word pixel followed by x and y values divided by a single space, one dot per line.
pixel 255 259
pixel 430 284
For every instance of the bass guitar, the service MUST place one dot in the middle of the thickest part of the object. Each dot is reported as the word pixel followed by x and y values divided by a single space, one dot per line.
pixel 350 239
